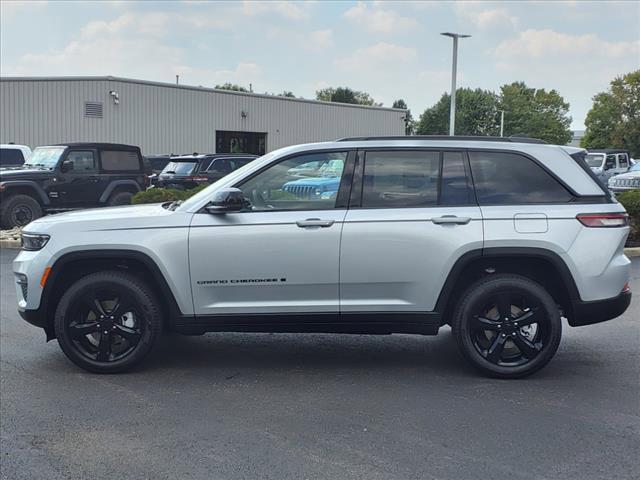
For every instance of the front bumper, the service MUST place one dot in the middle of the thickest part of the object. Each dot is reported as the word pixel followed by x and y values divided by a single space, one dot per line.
pixel 588 313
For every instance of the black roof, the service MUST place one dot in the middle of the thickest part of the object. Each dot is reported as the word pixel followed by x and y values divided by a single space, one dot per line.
pixel 119 146
pixel 512 139
pixel 607 150
pixel 212 155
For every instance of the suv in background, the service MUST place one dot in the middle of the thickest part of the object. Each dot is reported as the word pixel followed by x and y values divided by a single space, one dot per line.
pixel 189 171
pixel 157 162
pixel 626 181
pixel 71 176
pixel 608 162
pixel 493 236
pixel 12 156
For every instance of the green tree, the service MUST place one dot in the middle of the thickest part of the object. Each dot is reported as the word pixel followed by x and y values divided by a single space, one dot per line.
pixel 536 113
pixel 476 114
pixel 614 118
pixel 287 93
pixel 409 122
pixel 231 86
pixel 346 95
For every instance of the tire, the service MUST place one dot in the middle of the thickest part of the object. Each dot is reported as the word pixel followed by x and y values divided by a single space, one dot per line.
pixel 96 341
pixel 120 198
pixel 19 210
pixel 507 326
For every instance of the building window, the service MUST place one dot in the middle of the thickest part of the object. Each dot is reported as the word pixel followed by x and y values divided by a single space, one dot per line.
pixel 241 142
pixel 93 109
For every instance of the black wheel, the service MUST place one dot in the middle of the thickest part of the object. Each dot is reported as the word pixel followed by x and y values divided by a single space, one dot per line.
pixel 120 198
pixel 508 326
pixel 19 210
pixel 108 322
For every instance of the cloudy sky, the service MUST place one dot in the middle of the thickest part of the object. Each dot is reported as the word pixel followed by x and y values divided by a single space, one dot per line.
pixel 389 49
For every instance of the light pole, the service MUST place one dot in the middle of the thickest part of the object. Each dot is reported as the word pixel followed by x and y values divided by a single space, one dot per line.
pixel 454 68
pixel 502 123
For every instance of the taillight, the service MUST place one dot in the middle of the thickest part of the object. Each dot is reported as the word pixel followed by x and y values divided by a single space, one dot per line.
pixel 603 220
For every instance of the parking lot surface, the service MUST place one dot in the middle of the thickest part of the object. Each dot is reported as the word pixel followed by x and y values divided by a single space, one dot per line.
pixel 277 406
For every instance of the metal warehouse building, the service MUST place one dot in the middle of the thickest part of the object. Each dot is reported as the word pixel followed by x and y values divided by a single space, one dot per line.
pixel 168 118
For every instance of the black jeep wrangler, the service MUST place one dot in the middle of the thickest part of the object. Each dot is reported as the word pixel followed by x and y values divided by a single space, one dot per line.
pixel 65 177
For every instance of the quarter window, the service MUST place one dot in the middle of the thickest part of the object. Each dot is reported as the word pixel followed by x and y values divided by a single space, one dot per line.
pixel 623 161
pixel 119 160
pixel 10 157
pixel 508 178
pixel 83 161
pixel 396 179
pixel 305 182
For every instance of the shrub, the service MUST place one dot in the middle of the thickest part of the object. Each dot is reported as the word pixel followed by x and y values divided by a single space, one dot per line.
pixel 161 195
pixel 631 202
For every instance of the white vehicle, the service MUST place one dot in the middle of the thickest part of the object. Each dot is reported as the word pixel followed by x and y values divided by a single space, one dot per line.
pixel 12 156
pixel 607 163
pixel 495 237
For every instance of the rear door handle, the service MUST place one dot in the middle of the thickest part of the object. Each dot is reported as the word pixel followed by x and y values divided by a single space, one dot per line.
pixel 314 222
pixel 451 219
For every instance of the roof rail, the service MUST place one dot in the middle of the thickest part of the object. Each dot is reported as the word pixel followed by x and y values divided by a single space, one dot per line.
pixel 512 139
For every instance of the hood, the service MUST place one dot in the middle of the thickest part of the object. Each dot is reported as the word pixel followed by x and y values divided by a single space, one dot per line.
pixel 315 181
pixel 627 176
pixel 129 217
pixel 24 174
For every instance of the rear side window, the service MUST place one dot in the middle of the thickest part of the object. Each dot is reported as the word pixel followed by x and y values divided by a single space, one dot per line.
pixel 396 179
pixel 623 161
pixel 220 165
pixel 455 189
pixel 508 178
pixel 10 157
pixel 119 161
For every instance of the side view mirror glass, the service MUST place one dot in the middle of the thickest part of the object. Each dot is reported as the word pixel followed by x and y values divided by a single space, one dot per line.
pixel 66 166
pixel 226 201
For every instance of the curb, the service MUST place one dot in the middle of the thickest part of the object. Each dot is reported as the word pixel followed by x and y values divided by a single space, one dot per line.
pixel 632 252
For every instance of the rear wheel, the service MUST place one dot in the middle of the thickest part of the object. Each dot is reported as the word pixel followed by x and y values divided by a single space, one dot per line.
pixel 120 198
pixel 19 210
pixel 508 326
pixel 108 322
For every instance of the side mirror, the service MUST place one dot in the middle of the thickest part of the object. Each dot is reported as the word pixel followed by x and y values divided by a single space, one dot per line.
pixel 227 200
pixel 66 166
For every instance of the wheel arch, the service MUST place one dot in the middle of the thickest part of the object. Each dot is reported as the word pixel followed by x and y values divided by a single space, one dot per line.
pixel 74 265
pixel 119 186
pixel 541 265
pixel 25 187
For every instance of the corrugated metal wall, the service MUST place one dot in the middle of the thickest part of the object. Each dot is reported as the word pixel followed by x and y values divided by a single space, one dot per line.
pixel 162 118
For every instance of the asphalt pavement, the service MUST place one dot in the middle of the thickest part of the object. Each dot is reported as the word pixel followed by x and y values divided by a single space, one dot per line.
pixel 285 406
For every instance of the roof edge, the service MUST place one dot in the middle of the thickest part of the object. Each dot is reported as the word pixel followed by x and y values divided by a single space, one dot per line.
pixel 110 78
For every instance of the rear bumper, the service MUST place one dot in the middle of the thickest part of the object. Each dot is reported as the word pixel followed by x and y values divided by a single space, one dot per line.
pixel 588 313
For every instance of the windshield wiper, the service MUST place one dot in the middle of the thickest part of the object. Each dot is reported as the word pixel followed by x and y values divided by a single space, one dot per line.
pixel 175 204
pixel 170 171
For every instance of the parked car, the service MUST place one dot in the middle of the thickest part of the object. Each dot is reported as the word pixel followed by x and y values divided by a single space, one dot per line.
pixel 626 181
pixel 71 176
pixel 492 236
pixel 608 162
pixel 12 156
pixel 158 162
pixel 188 171
pixel 322 181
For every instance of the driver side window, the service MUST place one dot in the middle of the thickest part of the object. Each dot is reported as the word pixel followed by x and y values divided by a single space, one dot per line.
pixel 83 161
pixel 305 182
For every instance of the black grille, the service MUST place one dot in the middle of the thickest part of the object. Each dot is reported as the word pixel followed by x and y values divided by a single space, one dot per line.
pixel 25 289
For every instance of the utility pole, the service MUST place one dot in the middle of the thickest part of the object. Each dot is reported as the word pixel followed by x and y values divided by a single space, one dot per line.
pixel 454 71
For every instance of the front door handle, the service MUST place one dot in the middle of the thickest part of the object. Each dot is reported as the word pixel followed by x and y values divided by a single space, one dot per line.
pixel 314 222
pixel 451 220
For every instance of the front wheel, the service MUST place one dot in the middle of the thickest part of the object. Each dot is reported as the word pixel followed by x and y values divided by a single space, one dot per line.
pixel 108 322
pixel 508 326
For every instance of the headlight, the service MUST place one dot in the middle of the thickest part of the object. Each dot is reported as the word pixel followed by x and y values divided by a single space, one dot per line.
pixel 34 241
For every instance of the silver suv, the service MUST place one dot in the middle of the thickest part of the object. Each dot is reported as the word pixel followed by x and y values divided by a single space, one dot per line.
pixel 497 238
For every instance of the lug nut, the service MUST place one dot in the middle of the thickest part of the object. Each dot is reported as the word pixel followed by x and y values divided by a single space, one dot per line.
pixel 504 334
pixel 513 334
pixel 106 332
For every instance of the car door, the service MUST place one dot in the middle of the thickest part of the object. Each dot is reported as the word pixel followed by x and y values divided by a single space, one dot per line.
pixel 78 185
pixel 411 218
pixel 623 163
pixel 280 255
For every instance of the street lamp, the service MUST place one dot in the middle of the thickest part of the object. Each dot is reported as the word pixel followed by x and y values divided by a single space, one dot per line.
pixel 454 68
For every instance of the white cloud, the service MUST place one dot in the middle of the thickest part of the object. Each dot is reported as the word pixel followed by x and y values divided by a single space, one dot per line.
pixel 546 44
pixel 382 54
pixel 378 20
pixel 243 74
pixel 483 18
pixel 319 40
pixel 289 10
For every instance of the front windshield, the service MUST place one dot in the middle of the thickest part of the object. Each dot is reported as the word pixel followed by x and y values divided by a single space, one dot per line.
pixel 179 168
pixel 594 160
pixel 45 157
pixel 635 168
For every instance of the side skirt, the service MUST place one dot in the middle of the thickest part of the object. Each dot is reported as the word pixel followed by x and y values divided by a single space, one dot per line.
pixel 373 323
